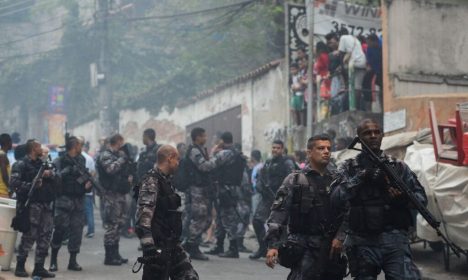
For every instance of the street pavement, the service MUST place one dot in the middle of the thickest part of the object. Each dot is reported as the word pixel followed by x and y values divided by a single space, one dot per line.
pixel 92 257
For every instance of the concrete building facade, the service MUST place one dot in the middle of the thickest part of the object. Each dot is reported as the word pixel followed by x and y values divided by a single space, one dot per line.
pixel 260 94
pixel 425 58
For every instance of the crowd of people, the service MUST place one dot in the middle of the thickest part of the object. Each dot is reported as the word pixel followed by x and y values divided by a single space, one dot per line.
pixel 300 207
pixel 345 65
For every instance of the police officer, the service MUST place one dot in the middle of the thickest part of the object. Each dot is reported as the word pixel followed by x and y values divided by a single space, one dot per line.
pixel 116 182
pixel 378 214
pixel 159 223
pixel 199 194
pixel 39 208
pixel 147 158
pixel 271 177
pixel 229 174
pixel 69 206
pixel 303 204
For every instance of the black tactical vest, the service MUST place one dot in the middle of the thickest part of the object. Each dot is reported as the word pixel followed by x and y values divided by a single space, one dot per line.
pixel 274 172
pixel 70 185
pixel 46 192
pixel 232 172
pixel 198 178
pixel 167 219
pixel 372 211
pixel 310 209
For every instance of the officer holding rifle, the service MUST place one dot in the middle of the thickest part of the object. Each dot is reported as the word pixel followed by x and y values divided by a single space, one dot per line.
pixel 69 206
pixel 36 185
pixel 377 211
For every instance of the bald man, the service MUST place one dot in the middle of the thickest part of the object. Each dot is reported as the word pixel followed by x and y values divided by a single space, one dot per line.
pixel 159 223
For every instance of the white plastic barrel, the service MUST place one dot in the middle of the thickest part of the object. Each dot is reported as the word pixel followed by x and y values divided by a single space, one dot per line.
pixel 7 234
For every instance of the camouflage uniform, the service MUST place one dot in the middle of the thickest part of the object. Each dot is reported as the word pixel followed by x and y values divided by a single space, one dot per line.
pixel 111 167
pixel 40 207
pixel 270 179
pixel 69 207
pixel 302 204
pixel 244 207
pixel 159 226
pixel 200 194
pixel 378 224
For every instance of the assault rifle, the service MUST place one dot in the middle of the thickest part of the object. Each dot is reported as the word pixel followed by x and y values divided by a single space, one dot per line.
pixel 85 176
pixel 44 166
pixel 405 190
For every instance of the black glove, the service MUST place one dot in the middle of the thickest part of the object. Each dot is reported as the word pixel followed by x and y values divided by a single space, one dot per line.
pixel 150 251
pixel 378 177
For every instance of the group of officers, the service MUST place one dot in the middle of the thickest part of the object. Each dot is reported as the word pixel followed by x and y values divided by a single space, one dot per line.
pixel 315 216
pixel 307 220
pixel 53 203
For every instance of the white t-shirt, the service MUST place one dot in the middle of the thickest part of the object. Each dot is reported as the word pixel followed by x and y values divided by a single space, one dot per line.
pixel 350 44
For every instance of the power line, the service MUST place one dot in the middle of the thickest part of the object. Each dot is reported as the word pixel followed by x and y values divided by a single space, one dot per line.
pixel 14 5
pixel 33 35
pixel 39 34
pixel 25 8
pixel 54 48
pixel 191 13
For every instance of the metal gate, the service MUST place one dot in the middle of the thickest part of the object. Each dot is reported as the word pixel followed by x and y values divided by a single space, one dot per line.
pixel 229 120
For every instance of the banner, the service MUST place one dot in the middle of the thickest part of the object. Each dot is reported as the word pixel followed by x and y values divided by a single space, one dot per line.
pixel 329 16
pixel 57 100
pixel 359 20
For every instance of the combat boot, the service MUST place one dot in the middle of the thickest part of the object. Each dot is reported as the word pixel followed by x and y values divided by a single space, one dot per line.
pixel 72 264
pixel 41 272
pixel 194 252
pixel 122 260
pixel 20 271
pixel 261 253
pixel 233 251
pixel 241 247
pixel 53 260
pixel 111 257
pixel 218 249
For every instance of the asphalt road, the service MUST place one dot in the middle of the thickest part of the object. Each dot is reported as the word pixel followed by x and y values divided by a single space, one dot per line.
pixel 92 257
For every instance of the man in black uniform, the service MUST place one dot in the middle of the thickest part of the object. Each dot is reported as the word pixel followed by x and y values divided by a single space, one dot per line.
pixel 147 158
pixel 159 223
pixel 271 177
pixel 39 208
pixel 303 204
pixel 378 214
pixel 69 206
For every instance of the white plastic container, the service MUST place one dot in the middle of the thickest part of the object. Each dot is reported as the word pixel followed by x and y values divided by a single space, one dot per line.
pixel 7 234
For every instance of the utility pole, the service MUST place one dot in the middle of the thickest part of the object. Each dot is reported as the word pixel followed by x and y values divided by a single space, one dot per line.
pixel 106 122
pixel 310 10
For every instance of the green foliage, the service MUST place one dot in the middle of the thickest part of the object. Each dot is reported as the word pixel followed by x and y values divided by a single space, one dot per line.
pixel 151 63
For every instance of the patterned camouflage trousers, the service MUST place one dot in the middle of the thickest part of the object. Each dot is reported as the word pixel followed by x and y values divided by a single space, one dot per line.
pixel 199 206
pixel 115 211
pixel 179 268
pixel 42 222
pixel 69 219
pixel 244 210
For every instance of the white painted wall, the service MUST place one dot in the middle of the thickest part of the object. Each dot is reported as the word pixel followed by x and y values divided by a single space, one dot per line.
pixel 264 102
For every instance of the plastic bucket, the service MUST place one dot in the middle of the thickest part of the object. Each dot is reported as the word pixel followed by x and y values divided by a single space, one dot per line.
pixel 7 235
